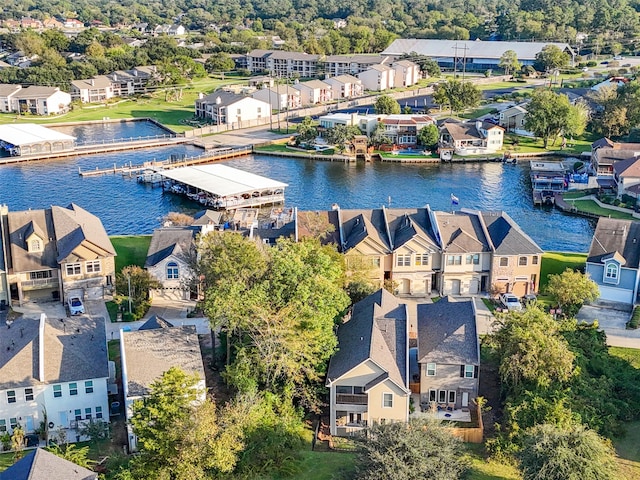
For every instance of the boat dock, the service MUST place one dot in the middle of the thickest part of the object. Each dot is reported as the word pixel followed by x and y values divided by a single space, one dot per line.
pixel 168 164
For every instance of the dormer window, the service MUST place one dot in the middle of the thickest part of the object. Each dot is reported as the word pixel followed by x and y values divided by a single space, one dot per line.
pixel 35 245
pixel 611 272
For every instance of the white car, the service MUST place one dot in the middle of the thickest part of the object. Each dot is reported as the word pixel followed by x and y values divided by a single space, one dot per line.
pixel 76 307
pixel 510 301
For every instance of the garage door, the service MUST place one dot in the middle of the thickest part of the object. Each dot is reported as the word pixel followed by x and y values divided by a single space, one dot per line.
pixel 613 294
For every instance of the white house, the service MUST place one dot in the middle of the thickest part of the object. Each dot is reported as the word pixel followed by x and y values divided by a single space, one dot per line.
pixel 228 108
pixel 280 97
pixel 148 353
pixel 407 73
pixel 53 367
pixel 345 86
pixel 402 129
pixel 38 100
pixel 314 92
pixel 7 91
pixel 366 123
pixel 168 261
pixel 378 78
pixel 92 90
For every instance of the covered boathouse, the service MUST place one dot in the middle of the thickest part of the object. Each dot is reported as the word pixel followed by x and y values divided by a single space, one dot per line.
pixel 23 139
pixel 222 187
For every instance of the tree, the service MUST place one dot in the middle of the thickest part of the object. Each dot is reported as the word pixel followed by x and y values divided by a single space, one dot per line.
pixel 73 453
pixel 509 62
pixel 551 57
pixel 17 443
pixel 573 453
pixel 307 132
pixel 386 105
pixel 457 95
pixel 341 134
pixel 420 449
pixel 549 114
pixel 428 136
pixel 133 283
pixel 576 121
pixel 571 289
pixel 219 62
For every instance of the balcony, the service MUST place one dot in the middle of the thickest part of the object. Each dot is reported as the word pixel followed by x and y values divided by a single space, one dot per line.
pixel 352 399
pixel 39 283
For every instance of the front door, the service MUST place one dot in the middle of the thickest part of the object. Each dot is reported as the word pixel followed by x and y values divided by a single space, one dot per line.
pixel 455 287
pixel 28 424
pixel 465 399
pixel 64 421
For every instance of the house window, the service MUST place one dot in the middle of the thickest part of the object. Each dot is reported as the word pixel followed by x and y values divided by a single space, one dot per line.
pixel 431 369
pixel 611 272
pixel 403 260
pixel 358 390
pixel 73 389
pixel 422 259
pixel 432 395
pixel 35 245
pixel 73 269
pixel 87 413
pixel 522 261
pixel 504 261
pixel 93 266
pixel 452 396
pixel 387 400
pixel 442 396
pixel 40 274
pixel 355 418
pixel 98 412
pixel 172 271
pixel 468 371
pixel 13 422
pixel 454 260
pixel 11 396
pixel 342 389
pixel 88 386
pixel 375 262
pixel 57 391
pixel 28 394
pixel 3 426
pixel 78 414
pixel 534 260
pixel 473 259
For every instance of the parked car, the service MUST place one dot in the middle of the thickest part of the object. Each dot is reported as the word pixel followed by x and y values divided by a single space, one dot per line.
pixel 510 301
pixel 76 307
pixel 618 57
pixel 529 298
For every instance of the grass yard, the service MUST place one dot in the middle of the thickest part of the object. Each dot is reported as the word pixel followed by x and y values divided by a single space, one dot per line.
pixel 631 355
pixel 6 460
pixel 590 206
pixel 478 112
pixel 575 194
pixel 628 450
pixel 557 262
pixel 528 145
pixel 131 250
pixel 483 468
pixel 326 465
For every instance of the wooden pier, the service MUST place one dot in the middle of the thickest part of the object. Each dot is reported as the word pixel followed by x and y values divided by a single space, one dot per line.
pixel 168 164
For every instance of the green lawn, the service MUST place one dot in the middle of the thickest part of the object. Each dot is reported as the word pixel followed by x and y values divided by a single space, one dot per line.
pixel 326 465
pixel 529 145
pixel 558 262
pixel 478 112
pixel 483 468
pixel 6 460
pixel 628 450
pixel 575 194
pixel 131 250
pixel 590 206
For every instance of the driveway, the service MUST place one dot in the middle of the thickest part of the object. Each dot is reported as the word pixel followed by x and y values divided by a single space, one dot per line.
pixel 613 323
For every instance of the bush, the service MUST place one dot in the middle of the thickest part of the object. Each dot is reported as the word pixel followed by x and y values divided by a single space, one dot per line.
pixel 592 63
pixel 635 318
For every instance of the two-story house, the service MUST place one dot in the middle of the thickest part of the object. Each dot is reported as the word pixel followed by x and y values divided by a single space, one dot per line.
pixel 228 108
pixel 614 260
pixel 368 375
pixel 56 252
pixel 168 260
pixel 53 374
pixel 92 90
pixel 280 97
pixel 378 78
pixel 471 138
pixel 402 129
pixel 345 86
pixel 314 92
pixel 38 100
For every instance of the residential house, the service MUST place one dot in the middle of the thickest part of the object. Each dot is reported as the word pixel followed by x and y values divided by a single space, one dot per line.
pixel 92 90
pixel 235 110
pixel 448 354
pixel 12 25
pixel 612 82
pixel 402 129
pixel 282 64
pixel 407 73
pixel 172 30
pixel 132 82
pixel 28 22
pixel 40 464
pixel 377 78
pixel 614 260
pixel 470 138
pixel 314 92
pixel 7 91
pixel 466 253
pixel 72 24
pixel 57 252
pixel 280 97
pixel 147 354
pixel 512 118
pixel 626 174
pixel 516 257
pixel 51 23
pixel 345 86
pixel 366 123
pixel 55 371
pixel 336 65
pixel 605 152
pixel 262 81
pixel 339 23
pixel 38 100
pixel 168 258
pixel 19 59
pixel 368 375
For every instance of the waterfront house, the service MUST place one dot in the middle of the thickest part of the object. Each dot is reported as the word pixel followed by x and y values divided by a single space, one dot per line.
pixel 368 375
pixel 38 100
pixel 41 464
pixel 7 91
pixel 314 92
pixel 132 82
pixel 515 264
pixel 366 123
pixel 448 355
pixel 377 78
pixel 402 129
pixel 472 138
pixel 614 260
pixel 512 118
pixel 345 86
pixel 235 110
pixel 626 174
pixel 92 90
pixel 280 97
pixel 605 152
pixel 168 258
pixel 55 371
pixel 612 82
pixel 56 253
pixel 147 354
pixel 407 73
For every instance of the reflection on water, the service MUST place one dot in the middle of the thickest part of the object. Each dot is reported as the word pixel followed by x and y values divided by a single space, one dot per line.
pixel 110 132
pixel 127 207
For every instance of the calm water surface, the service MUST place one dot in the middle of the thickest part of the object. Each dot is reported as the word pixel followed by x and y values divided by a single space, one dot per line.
pixel 127 207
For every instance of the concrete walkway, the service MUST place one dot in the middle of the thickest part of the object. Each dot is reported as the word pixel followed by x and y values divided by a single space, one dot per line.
pixel 613 323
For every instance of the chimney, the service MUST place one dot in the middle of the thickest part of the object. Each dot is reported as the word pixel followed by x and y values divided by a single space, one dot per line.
pixel 218 100
pixel 43 320
pixel 200 96
pixel 478 125
pixel 92 82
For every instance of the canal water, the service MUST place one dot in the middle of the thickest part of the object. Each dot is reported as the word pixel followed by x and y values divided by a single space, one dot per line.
pixel 112 132
pixel 127 207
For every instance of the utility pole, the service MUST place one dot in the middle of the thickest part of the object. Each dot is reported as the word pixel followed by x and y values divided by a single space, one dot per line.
pixel 455 60
pixel 464 61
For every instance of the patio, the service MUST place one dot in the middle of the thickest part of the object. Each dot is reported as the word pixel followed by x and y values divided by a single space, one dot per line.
pixel 439 411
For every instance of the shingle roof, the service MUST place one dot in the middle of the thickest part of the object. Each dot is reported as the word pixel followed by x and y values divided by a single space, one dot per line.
pixel 36 91
pixel 345 78
pixel 377 330
pixel 226 98
pixel 8 89
pixel 447 333
pixel 627 168
pixel 20 224
pixel 207 217
pixel 169 241
pixel 611 235
pixel 602 142
pixel 42 465
pixel 507 237
pixel 150 353
pixel 360 224
pixel 99 81
pixel 405 224
pixel 154 322
pixel 461 232
pixel 74 349
pixel 313 84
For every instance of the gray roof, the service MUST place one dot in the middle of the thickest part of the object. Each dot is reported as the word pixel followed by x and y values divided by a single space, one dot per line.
pixel 461 232
pixel 507 237
pixel 36 91
pixel 39 464
pixel 608 155
pixel 344 78
pixel 154 322
pixel 358 58
pixel 20 226
pixel 360 224
pixel 447 333
pixel 99 81
pixel 475 49
pixel 150 353
pixel 8 89
pixel 405 224
pixel 207 217
pixel 377 330
pixel 611 236
pixel 74 349
pixel 165 242
pixel 226 98
pixel 313 84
